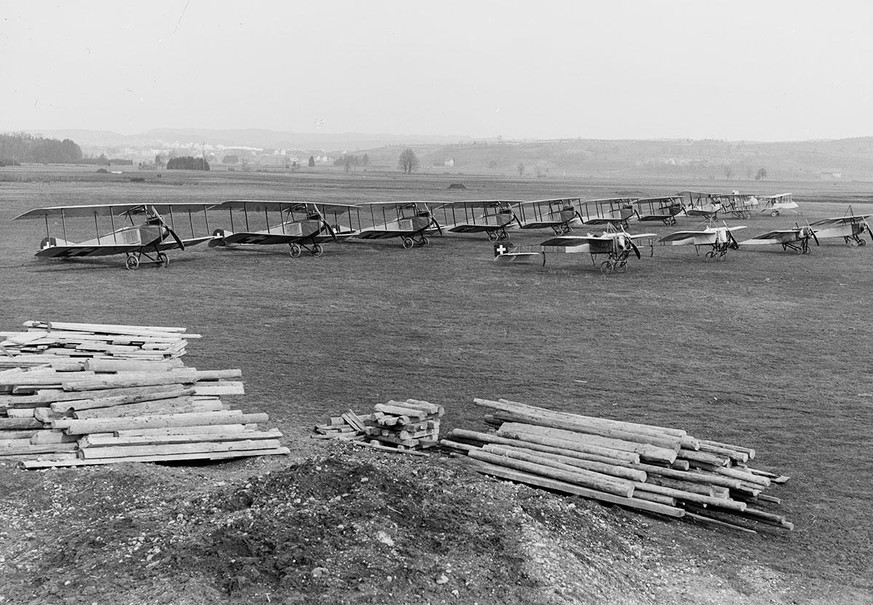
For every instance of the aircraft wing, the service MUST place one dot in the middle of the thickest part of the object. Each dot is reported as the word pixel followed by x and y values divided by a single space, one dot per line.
pixel 840 220
pixel 774 237
pixel 111 209
pixel 685 237
pixel 571 241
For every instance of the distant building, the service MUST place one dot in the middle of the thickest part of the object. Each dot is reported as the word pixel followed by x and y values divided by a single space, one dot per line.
pixel 831 175
pixel 449 163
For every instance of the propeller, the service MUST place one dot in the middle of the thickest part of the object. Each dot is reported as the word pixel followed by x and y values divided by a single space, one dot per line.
pixel 869 230
pixel 170 231
pixel 517 220
pixel 735 245
pixel 811 232
pixel 329 229
pixel 436 224
pixel 634 248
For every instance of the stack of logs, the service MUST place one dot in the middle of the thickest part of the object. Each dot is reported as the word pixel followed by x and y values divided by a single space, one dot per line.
pixel 644 467
pixel 403 425
pixel 83 394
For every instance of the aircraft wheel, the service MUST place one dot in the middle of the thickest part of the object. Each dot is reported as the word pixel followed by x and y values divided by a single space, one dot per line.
pixel 492 237
pixel 606 267
pixel 774 213
pixel 709 256
pixel 131 263
pixel 621 268
pixel 408 243
pixel 295 250
pixel 424 241
pixel 163 260
pixel 317 250
pixel 557 230
pixel 862 241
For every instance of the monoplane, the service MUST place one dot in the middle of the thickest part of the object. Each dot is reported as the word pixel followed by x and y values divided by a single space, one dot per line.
pixel 849 227
pixel 662 209
pixel 301 225
pixel 147 235
pixel 796 239
pixel 409 221
pixel 559 214
pixel 719 239
pixel 616 244
pixel 775 204
pixel 491 217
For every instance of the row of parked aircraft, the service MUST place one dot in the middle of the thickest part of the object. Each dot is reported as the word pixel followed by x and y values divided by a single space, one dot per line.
pixel 148 231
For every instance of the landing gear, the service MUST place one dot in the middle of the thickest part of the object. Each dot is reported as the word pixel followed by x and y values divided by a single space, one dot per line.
pixel 295 250
pixel 418 239
pixel 163 260
pixel 774 213
pixel 616 263
pixel 132 262
pixel 317 250
pixel 408 243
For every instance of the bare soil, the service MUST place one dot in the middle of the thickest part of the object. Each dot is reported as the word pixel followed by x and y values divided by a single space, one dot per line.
pixel 765 349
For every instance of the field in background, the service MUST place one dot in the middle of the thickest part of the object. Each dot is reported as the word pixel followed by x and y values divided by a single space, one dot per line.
pixel 767 349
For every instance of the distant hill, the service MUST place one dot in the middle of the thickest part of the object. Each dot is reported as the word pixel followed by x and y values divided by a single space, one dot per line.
pixel 841 159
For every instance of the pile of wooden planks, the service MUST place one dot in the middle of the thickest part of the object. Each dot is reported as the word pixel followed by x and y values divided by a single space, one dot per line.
pixel 71 395
pixel 403 425
pixel 655 469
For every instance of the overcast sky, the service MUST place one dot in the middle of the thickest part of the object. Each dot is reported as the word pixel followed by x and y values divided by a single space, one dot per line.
pixel 753 70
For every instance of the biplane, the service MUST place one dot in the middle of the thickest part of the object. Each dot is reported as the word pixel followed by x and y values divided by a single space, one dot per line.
pixel 301 225
pixel 796 239
pixel 491 217
pixel 616 244
pixel 738 205
pixel 560 214
pixel 775 204
pixel 849 227
pixel 614 211
pixel 719 239
pixel 706 205
pixel 662 209
pixel 143 233
pixel 409 221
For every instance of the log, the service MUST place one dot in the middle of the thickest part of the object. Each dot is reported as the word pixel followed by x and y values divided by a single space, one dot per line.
pixel 687 496
pixel 576 477
pixel 700 516
pixel 646 429
pixel 49 396
pixel 580 427
pixel 184 430
pixel 102 425
pixel 397 410
pixel 737 448
pixel 58 462
pixel 131 365
pixel 195 437
pixel 666 500
pixel 457 445
pixel 21 413
pixel 492 438
pixel 567 488
pixel 222 387
pixel 736 474
pixel 43 437
pixel 649 452
pixel 45 448
pixel 386 448
pixel 622 472
pixel 703 457
pixel 724 452
pixel 180 405
pixel 430 408
pixel 20 423
pixel 126 451
pixel 570 445
pixel 146 394
pixel 169 332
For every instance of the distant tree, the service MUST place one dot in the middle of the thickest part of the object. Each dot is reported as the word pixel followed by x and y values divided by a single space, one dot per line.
pixel 230 159
pixel 520 169
pixel 728 172
pixel 311 162
pixel 187 163
pixel 761 174
pixel 408 161
pixel 159 161
pixel 365 161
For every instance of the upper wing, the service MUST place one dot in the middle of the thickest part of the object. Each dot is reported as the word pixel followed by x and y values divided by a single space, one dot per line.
pixel 840 220
pixel 111 209
pixel 569 241
pixel 774 237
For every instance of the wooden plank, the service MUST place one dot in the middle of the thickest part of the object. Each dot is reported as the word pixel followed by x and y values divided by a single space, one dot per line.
pixel 59 462
pixel 102 425
pixel 180 448
pixel 147 394
pixel 623 472
pixel 195 437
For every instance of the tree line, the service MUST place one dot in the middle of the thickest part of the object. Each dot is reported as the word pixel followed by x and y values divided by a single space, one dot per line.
pixel 21 147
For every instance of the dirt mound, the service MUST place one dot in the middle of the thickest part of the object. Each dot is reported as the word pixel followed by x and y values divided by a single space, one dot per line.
pixel 344 527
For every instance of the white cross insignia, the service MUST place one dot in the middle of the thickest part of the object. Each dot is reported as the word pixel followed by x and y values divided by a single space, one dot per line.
pixel 501 249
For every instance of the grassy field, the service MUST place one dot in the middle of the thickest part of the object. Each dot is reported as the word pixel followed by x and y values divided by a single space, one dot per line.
pixel 767 349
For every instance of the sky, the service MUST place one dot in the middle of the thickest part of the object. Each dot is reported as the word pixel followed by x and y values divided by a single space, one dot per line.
pixel 626 69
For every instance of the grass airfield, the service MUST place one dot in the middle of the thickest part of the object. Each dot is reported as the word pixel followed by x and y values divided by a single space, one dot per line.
pixel 767 349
